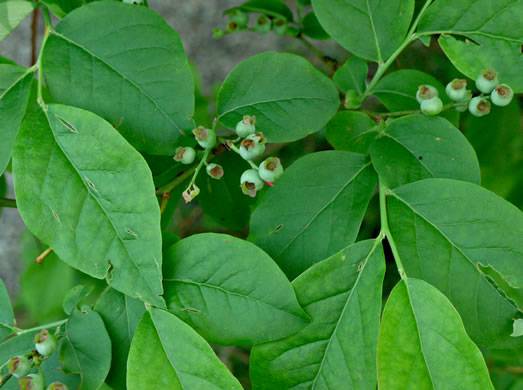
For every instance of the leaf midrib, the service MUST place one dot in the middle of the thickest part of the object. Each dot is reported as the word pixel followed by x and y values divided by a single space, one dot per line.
pixel 420 162
pixel 18 80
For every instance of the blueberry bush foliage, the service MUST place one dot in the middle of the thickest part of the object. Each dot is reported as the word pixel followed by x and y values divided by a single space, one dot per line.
pixel 388 253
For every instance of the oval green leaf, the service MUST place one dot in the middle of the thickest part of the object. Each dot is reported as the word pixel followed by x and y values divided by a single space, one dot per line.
pixel 290 98
pixel 15 84
pixel 314 210
pixel 342 294
pixel 230 291
pixel 166 353
pixel 274 8
pixel 95 206
pixel 127 65
pixel 12 13
pixel 418 147
pixel 7 317
pixel 371 29
pixel 312 27
pixel 352 131
pixel 445 231
pixel 423 344
pixel 352 75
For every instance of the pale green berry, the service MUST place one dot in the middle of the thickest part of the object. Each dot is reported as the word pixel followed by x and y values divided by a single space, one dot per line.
pixel 279 26
pixel 426 92
pixel 217 33
pixel 232 26
pixel 32 382
pixel 487 80
pixel 215 171
pixel 271 169
pixel 251 182
pixel 479 106
pixel 263 24
pixel 185 155
pixel 432 106
pixel 352 100
pixel 206 138
pixel 457 89
pixel 137 2
pixel 502 95
pixel 57 386
pixel 45 343
pixel 239 17
pixel 246 126
pixel 252 146
pixel 19 366
pixel 463 104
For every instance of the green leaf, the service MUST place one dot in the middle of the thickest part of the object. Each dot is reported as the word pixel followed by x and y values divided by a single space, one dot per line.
pixel 74 296
pixel 86 349
pixel 127 65
pixel 166 353
pixel 445 230
pixel 234 207
pixel 423 344
pixel 62 7
pixel 342 294
pixel 121 315
pixel 15 84
pixel 397 91
pixel 417 147
pixel 274 8
pixel 230 291
pixel 494 36
pixel 12 12
pixel 290 98
pixel 371 29
pixel 352 75
pixel 312 27
pixel 352 131
pixel 95 206
pixel 7 317
pixel 314 210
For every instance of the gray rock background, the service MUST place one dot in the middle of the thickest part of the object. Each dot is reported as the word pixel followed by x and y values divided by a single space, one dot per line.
pixel 194 20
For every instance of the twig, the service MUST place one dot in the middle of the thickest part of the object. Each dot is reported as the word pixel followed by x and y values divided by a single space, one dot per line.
pixel 34 35
pixel 40 259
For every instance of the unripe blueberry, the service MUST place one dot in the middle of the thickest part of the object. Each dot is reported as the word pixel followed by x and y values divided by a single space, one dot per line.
pixel 205 137
pixel 426 92
pixel 479 106
pixel 432 106
pixel 185 155
pixel 45 343
pixel 246 126
pixel 239 17
pixel 217 33
pixel 263 24
pixel 352 100
pixel 502 95
pixel 137 2
pixel 271 169
pixel 251 182
pixel 457 89
pixel 232 26
pixel 32 382
pixel 57 386
pixel 215 171
pixel 252 146
pixel 19 366
pixel 464 103
pixel 280 26
pixel 487 80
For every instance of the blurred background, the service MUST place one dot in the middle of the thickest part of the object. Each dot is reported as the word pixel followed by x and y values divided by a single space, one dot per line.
pixel 496 138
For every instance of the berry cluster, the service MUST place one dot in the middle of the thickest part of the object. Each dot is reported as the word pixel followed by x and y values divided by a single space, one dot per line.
pixel 239 20
pixel 488 85
pixel 20 366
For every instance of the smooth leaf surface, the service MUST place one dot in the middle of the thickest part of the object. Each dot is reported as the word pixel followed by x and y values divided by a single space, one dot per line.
pixel 423 344
pixel 397 91
pixel 86 349
pixel 371 29
pixel 62 7
pixel 166 353
pixel 95 206
pixel 495 36
pixel 417 147
pixel 352 75
pixel 275 8
pixel 15 84
pixel 351 131
pixel 337 350
pixel 444 231
pixel 290 98
pixel 121 315
pixel 12 12
pixel 312 27
pixel 230 291
pixel 314 210
pixel 127 65
pixel 7 316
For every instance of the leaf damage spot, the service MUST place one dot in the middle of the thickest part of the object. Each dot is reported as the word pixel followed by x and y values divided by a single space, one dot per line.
pixel 191 310
pixel 68 125
pixel 277 229
pixel 131 232
pixel 91 184
pixel 55 214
